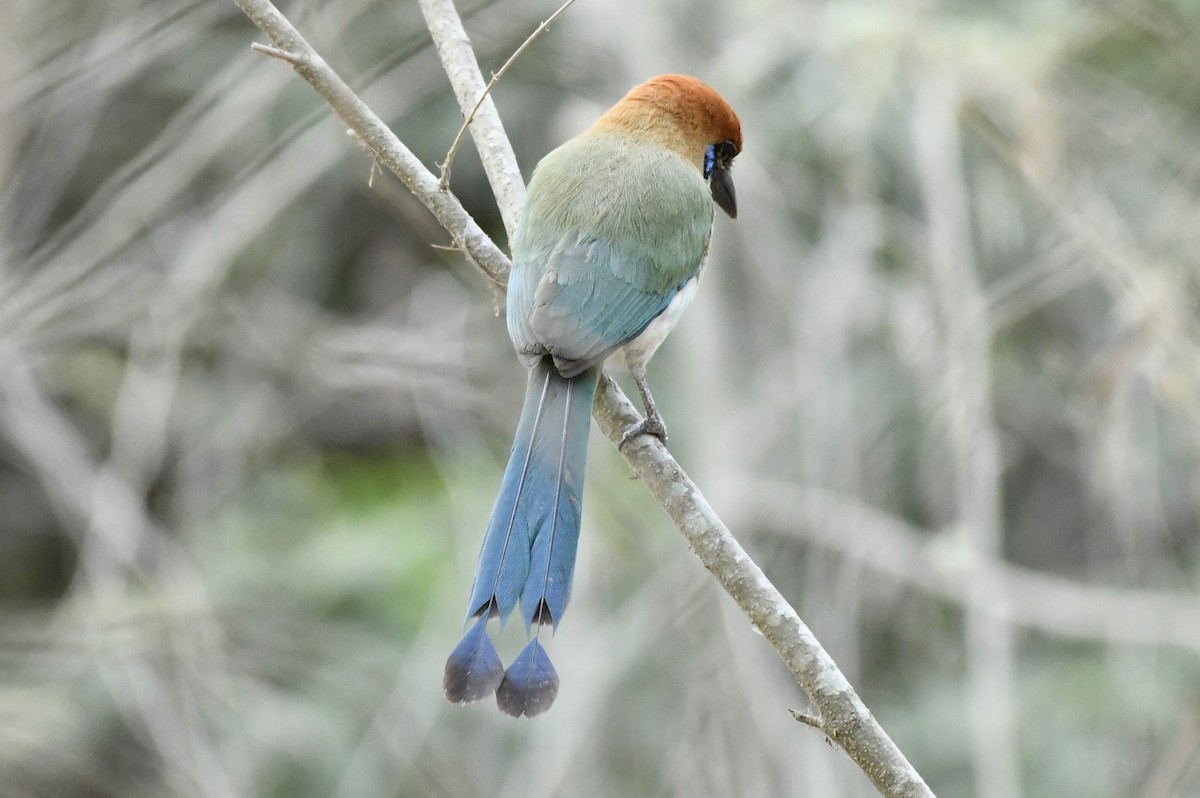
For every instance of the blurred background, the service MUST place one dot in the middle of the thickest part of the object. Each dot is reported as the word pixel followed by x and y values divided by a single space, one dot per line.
pixel 942 381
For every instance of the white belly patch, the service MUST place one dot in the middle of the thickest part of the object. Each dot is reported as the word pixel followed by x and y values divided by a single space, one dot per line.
pixel 641 349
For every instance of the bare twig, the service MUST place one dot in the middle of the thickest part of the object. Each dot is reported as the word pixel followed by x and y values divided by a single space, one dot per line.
pixel 470 117
pixel 846 720
pixel 807 719
pixel 275 52
pixel 389 150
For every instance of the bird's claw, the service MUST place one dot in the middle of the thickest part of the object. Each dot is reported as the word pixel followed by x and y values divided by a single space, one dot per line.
pixel 651 425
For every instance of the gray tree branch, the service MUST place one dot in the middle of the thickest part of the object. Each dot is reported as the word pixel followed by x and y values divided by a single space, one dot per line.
pixel 843 717
pixel 290 47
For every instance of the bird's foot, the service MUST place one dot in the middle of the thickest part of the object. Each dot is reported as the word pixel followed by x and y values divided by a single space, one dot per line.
pixel 650 425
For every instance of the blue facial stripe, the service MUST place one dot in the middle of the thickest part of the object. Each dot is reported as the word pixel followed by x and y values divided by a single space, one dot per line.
pixel 710 160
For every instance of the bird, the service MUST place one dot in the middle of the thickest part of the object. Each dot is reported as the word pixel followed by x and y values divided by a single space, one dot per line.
pixel 607 254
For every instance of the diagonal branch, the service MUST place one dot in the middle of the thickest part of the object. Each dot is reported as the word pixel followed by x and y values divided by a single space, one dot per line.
pixel 842 715
pixel 290 47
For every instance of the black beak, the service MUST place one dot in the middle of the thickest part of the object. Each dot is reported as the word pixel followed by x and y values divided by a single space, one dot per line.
pixel 720 183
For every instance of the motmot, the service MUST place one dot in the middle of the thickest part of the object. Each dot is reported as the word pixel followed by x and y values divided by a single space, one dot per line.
pixel 607 254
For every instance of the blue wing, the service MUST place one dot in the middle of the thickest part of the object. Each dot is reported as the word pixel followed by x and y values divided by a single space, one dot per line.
pixel 596 260
pixel 591 301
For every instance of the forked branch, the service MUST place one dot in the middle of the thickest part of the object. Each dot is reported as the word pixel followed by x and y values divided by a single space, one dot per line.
pixel 444 181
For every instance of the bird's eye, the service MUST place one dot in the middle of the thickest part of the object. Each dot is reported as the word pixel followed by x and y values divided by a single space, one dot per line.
pixel 718 156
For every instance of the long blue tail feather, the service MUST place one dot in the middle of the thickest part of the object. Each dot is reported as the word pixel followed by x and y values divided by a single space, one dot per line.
pixel 552 561
pixel 528 553
pixel 473 670
pixel 530 684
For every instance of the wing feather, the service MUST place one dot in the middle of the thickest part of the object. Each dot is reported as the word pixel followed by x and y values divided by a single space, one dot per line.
pixel 595 261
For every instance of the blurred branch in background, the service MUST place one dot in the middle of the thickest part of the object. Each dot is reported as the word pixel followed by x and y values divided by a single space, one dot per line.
pixel 250 420
pixel 974 440
pixel 1027 599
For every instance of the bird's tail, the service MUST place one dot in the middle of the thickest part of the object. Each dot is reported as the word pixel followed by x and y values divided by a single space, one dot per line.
pixel 528 554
